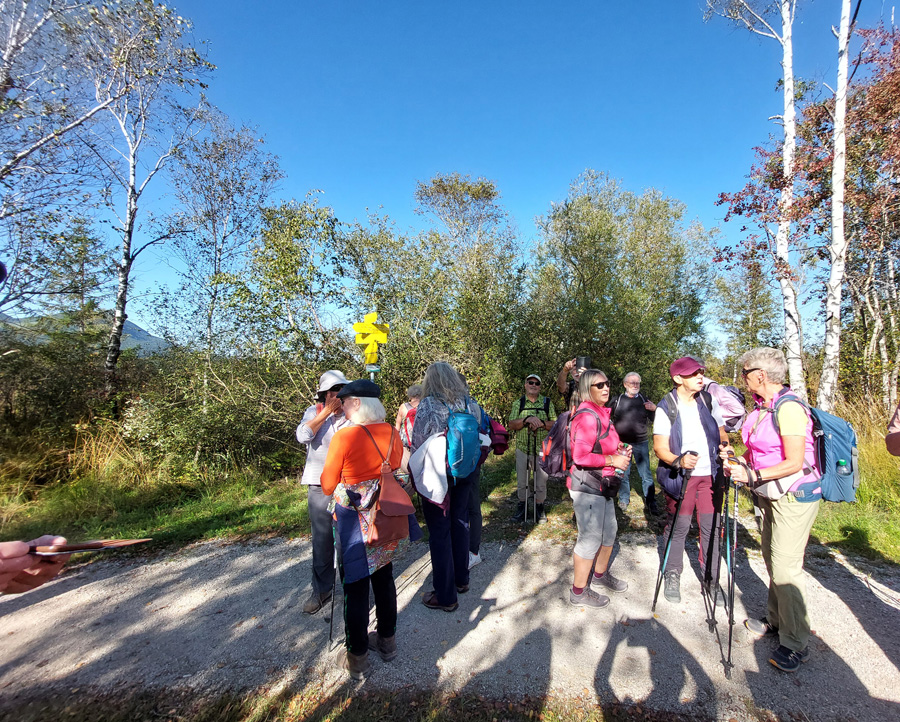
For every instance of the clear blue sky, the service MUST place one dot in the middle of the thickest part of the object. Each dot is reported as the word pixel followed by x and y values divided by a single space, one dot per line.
pixel 361 98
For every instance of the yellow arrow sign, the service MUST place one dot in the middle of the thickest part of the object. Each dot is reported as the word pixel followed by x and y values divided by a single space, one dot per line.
pixel 370 333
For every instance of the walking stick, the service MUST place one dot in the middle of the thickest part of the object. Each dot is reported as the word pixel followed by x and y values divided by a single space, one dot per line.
pixel 709 587
pixel 732 552
pixel 686 474
pixel 532 461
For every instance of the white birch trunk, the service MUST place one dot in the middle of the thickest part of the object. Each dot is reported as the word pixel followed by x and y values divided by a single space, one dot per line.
pixel 837 249
pixel 793 336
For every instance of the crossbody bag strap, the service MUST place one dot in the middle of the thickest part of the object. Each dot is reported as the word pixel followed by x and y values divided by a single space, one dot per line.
pixel 390 443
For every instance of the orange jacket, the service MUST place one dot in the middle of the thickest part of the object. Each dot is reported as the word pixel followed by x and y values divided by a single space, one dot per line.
pixel 352 457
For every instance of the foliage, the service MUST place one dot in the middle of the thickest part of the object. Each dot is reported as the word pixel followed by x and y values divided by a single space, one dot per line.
pixel 616 280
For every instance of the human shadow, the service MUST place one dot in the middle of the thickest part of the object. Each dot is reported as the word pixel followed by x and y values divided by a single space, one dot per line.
pixel 677 683
pixel 874 604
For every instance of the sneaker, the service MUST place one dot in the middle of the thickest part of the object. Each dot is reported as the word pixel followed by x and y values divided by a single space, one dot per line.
pixel 462 588
pixel 474 559
pixel 520 512
pixel 672 588
pixel 787 660
pixel 608 581
pixel 761 627
pixel 541 514
pixel 623 505
pixel 588 598
pixel 315 602
pixel 385 646
pixel 357 665
pixel 430 600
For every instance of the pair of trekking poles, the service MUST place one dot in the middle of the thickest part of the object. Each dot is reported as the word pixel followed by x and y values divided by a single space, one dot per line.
pixel 529 475
pixel 727 532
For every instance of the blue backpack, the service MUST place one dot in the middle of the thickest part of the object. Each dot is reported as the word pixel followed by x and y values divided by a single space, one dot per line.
pixel 463 443
pixel 834 441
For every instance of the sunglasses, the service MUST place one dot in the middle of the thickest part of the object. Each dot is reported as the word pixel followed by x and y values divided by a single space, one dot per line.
pixel 533 383
pixel 746 372
pixel 601 385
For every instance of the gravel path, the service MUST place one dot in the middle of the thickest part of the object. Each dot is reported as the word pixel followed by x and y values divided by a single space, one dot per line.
pixel 217 616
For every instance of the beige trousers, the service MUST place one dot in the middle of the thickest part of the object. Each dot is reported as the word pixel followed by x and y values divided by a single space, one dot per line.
pixel 785 532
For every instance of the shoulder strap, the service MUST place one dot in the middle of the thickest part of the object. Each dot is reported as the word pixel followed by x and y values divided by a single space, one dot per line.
pixel 707 398
pixel 600 433
pixel 614 407
pixel 390 443
pixel 547 407
pixel 671 408
pixel 790 396
pixel 521 405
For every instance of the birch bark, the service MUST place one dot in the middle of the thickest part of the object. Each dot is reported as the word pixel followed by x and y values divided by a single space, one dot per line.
pixel 837 249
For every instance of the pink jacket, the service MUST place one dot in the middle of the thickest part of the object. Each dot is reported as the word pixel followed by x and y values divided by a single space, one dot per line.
pixel 892 440
pixel 583 433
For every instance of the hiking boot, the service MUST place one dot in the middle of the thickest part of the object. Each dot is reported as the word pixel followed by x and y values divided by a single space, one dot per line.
pixel 672 588
pixel 474 559
pixel 357 665
pixel 315 602
pixel 787 660
pixel 608 581
pixel 761 627
pixel 541 514
pixel 650 505
pixel 430 600
pixel 520 512
pixel 462 588
pixel 588 598
pixel 623 505
pixel 385 646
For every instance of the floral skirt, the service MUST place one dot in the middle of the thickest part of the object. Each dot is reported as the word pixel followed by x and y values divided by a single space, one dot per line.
pixel 352 508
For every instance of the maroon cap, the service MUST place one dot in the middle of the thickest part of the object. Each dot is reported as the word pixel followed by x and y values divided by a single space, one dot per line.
pixel 685 366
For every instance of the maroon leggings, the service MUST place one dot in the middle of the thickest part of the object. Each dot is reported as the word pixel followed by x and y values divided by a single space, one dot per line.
pixel 698 496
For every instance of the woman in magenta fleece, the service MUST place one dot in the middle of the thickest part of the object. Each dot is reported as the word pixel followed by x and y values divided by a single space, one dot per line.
pixel 593 486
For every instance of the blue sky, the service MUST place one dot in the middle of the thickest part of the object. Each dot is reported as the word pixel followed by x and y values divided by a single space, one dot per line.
pixel 361 98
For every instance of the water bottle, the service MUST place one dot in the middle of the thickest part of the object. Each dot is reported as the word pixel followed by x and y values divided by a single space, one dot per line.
pixel 843 468
pixel 620 473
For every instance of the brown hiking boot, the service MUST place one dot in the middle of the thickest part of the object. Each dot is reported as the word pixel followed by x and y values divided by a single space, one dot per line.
pixel 357 665
pixel 385 646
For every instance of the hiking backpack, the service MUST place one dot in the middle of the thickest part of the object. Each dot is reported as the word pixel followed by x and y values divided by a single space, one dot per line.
pixel 556 451
pixel 463 442
pixel 732 403
pixel 834 440
pixel 672 404
pixel 524 399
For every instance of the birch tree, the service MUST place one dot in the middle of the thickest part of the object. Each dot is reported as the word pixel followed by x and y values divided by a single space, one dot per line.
pixel 837 249
pixel 223 179
pixel 147 68
pixel 774 19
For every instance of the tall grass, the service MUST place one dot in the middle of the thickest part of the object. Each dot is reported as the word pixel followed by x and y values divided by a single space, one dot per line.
pixel 870 527
pixel 116 489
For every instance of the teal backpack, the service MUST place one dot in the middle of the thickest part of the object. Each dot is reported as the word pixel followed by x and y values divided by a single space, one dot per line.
pixel 463 442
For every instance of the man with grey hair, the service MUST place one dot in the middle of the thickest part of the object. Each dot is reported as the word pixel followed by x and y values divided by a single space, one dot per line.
pixel 631 415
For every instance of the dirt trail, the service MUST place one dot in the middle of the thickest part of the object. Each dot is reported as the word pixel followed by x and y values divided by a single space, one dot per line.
pixel 218 616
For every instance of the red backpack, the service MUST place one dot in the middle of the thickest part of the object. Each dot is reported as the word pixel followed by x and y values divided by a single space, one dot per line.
pixel 406 427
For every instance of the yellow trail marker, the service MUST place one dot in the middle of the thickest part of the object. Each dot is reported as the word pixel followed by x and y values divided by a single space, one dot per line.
pixel 370 333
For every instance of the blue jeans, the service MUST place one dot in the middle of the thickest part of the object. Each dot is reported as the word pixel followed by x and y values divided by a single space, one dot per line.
pixel 640 454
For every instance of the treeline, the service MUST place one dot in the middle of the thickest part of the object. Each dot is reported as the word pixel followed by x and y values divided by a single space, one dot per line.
pixel 100 102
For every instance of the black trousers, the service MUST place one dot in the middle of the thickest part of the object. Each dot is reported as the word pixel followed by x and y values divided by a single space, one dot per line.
pixel 356 608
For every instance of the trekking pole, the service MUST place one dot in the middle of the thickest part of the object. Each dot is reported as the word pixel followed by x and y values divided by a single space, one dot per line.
pixel 686 474
pixel 333 595
pixel 710 588
pixel 532 457
pixel 731 582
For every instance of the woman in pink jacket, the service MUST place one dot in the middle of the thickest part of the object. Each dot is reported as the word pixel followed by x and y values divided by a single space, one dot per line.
pixel 593 486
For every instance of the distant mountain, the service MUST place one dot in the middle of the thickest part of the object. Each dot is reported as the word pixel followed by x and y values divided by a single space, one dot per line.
pixel 133 336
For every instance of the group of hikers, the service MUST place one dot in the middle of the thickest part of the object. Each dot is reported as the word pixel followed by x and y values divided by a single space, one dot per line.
pixel 362 474
pixel 352 450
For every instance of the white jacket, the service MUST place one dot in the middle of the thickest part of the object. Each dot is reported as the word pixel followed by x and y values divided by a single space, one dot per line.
pixel 428 467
